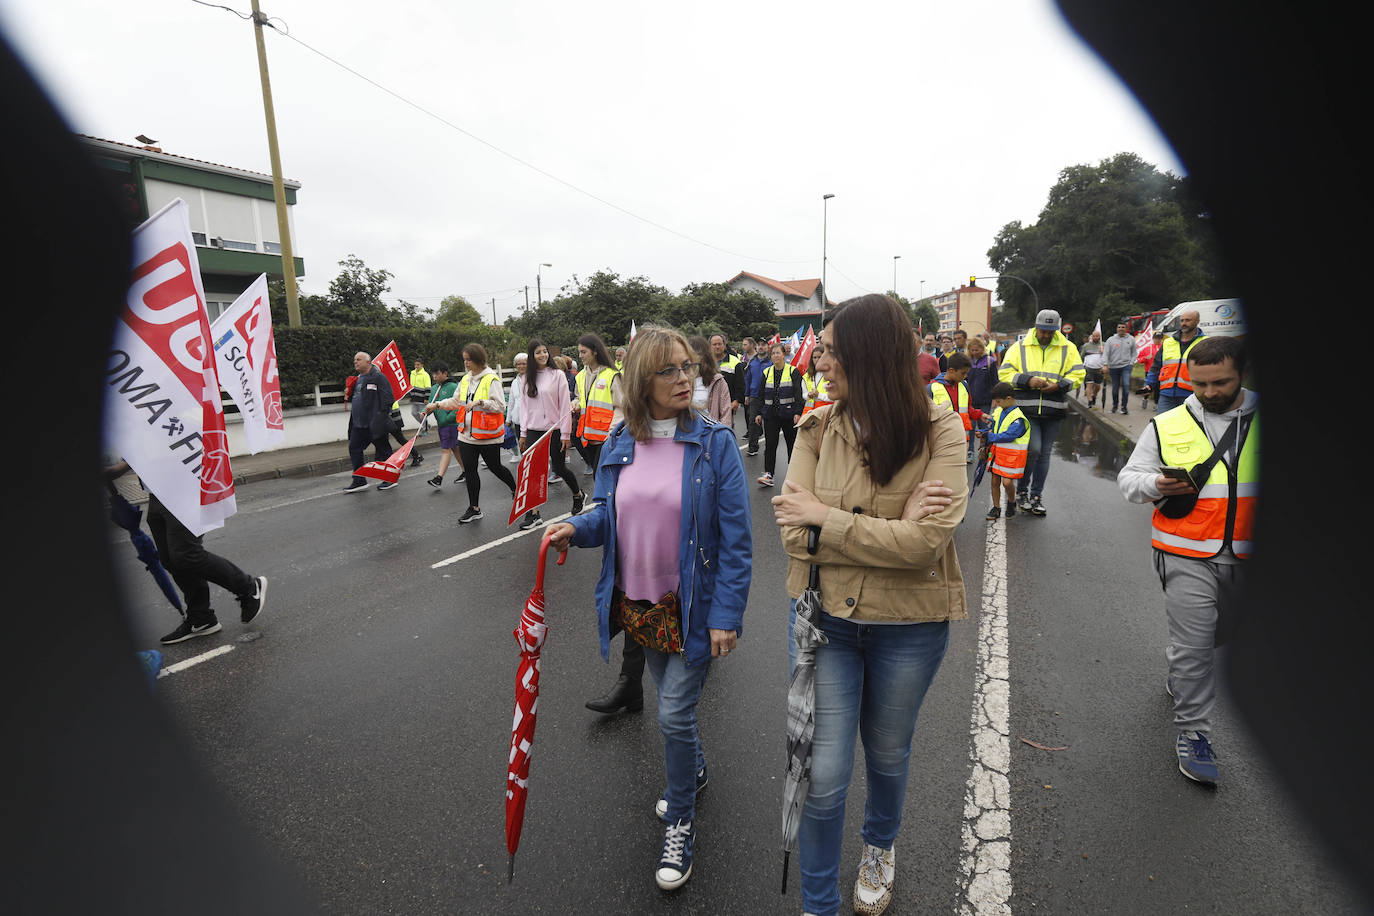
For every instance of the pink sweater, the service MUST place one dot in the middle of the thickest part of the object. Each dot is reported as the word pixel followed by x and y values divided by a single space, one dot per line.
pixel 648 504
pixel 551 408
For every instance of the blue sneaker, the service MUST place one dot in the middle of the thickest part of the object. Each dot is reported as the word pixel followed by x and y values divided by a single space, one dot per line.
pixel 675 864
pixel 1195 758
pixel 661 806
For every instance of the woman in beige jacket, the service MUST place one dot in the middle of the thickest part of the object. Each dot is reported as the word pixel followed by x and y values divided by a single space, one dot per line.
pixel 869 472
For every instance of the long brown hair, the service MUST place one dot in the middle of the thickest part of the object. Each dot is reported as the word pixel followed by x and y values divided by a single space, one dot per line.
pixel 870 336
pixel 704 356
pixel 652 351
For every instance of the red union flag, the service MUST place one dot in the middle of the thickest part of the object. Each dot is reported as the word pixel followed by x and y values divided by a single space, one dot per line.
pixel 393 369
pixel 531 479
pixel 390 469
pixel 247 356
pixel 802 359
pixel 162 403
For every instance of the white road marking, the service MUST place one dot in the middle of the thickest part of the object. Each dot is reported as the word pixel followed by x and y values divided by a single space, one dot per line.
pixel 490 544
pixel 985 864
pixel 193 661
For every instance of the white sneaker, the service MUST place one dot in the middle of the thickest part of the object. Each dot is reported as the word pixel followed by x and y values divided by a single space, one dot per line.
pixel 766 480
pixel 514 459
pixel 873 889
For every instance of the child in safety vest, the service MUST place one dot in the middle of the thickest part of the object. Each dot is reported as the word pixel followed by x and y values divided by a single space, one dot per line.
pixel 1008 441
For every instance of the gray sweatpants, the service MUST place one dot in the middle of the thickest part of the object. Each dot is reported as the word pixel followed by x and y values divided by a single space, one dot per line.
pixel 1193 590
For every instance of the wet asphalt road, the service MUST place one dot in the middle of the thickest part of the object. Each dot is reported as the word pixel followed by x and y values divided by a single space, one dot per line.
pixel 361 725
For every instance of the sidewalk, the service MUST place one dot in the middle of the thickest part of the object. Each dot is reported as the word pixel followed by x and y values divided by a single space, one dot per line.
pixel 305 461
pixel 1129 426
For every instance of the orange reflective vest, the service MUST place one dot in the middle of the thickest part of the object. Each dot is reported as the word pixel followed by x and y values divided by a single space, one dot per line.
pixel 479 424
pixel 598 409
pixel 1008 459
pixel 1226 504
pixel 1173 369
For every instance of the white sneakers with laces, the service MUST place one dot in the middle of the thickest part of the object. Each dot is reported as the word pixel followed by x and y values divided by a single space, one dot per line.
pixel 877 872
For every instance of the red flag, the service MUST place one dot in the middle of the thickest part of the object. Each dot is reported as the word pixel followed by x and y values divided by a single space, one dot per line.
pixel 390 469
pixel 531 479
pixel 775 339
pixel 393 369
pixel 1145 343
pixel 802 360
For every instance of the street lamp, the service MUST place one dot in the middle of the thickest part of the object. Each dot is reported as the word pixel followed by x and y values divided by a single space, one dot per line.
pixel 825 216
pixel 539 284
pixel 1018 279
pixel 895 257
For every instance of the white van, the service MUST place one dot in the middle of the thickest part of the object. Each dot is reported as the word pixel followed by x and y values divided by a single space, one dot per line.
pixel 1216 317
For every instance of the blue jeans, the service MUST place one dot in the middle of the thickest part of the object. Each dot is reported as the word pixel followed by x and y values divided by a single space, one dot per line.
pixel 1121 385
pixel 1169 401
pixel 679 688
pixel 1043 431
pixel 870 680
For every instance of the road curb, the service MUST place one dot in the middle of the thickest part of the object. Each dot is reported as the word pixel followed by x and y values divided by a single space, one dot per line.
pixel 1103 423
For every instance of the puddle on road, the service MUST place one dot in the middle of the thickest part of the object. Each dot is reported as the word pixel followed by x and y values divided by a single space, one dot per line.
pixel 1084 443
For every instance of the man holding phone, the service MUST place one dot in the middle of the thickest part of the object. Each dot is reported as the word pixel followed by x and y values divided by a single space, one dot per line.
pixel 1200 467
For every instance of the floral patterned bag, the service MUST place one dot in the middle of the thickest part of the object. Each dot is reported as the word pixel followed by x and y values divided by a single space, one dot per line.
pixel 654 625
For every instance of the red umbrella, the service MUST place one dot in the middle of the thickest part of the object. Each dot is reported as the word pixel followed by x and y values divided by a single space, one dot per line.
pixel 530 636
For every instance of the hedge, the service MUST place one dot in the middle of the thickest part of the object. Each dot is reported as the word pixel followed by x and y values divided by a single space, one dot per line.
pixel 310 355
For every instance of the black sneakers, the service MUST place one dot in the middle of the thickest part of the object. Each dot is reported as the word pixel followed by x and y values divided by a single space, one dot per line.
pixel 436 482
pixel 994 513
pixel 579 500
pixel 471 515
pixel 357 486
pixel 187 630
pixel 532 519
pixel 250 605
pixel 386 485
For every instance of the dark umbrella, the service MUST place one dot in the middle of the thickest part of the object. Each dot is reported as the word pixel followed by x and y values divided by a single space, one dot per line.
pixel 530 635
pixel 127 517
pixel 801 706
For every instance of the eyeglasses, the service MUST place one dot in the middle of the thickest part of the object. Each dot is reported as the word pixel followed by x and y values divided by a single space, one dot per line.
pixel 673 373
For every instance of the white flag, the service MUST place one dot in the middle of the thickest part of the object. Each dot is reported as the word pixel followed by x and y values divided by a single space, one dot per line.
pixel 162 401
pixel 1097 328
pixel 247 357
pixel 632 333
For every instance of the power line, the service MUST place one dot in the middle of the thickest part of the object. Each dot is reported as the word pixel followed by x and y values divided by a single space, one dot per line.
pixel 514 158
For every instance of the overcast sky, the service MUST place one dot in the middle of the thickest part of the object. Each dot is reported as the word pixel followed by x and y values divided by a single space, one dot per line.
pixel 724 123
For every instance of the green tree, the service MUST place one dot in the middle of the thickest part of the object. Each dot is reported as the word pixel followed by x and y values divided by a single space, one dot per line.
pixel 715 308
pixel 455 311
pixel 1120 234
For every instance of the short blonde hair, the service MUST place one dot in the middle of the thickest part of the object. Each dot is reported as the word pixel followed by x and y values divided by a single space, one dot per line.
pixel 651 351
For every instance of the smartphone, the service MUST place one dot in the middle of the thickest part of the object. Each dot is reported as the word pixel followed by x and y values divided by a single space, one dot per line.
pixel 1179 474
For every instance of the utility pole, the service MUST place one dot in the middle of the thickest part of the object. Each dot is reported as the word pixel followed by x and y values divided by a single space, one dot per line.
pixel 288 262
pixel 527 297
pixel 493 313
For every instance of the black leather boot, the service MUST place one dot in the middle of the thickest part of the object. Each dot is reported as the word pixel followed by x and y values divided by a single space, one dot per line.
pixel 626 695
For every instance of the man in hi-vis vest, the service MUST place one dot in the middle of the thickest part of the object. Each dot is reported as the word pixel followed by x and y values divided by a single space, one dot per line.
pixel 1202 528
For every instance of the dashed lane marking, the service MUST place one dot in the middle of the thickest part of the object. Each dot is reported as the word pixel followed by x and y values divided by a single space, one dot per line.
pixel 985 864
pixel 193 661
pixel 490 544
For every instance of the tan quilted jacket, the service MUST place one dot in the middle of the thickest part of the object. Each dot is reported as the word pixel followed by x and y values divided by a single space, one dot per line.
pixel 874 566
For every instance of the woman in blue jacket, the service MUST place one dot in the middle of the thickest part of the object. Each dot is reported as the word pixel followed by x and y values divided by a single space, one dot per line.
pixel 668 463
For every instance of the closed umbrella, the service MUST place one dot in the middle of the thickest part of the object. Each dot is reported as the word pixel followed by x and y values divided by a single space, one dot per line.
pixel 530 636
pixel 801 706
pixel 123 514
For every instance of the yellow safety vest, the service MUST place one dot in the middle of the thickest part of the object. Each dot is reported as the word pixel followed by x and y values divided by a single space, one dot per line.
pixel 1225 510
pixel 598 409
pixel 1008 459
pixel 1173 369
pixel 781 386
pixel 479 424
pixel 940 395
pixel 1059 362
